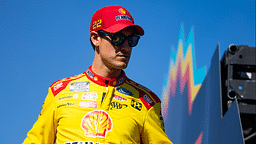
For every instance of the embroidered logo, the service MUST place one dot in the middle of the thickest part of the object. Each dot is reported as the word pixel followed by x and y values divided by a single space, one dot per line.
pixel 80 86
pixel 122 11
pixel 88 104
pixel 89 96
pixel 124 91
pixel 117 105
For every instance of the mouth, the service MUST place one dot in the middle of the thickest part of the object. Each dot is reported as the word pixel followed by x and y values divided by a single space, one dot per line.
pixel 123 57
pixel 125 54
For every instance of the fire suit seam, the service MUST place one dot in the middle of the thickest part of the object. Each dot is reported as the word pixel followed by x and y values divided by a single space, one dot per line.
pixel 144 121
pixel 144 117
pixel 54 117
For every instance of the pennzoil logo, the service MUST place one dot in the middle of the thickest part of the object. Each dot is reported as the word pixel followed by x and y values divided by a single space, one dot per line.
pixel 122 11
pixel 96 123
pixel 123 17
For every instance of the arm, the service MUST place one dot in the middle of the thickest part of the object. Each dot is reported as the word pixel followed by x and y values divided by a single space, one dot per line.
pixel 154 127
pixel 43 131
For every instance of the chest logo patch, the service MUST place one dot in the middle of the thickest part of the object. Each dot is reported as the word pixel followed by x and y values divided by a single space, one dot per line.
pixel 124 91
pixel 117 105
pixel 80 86
pixel 89 96
pixel 136 105
pixel 96 123
pixel 88 104
pixel 119 98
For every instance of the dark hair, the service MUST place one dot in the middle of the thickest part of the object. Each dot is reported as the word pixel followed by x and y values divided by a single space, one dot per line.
pixel 93 46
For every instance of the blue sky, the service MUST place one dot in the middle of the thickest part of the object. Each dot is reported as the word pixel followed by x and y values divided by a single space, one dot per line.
pixel 43 41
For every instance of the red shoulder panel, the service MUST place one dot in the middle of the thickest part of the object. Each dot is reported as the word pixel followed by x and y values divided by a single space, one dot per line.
pixel 147 97
pixel 59 85
pixel 147 101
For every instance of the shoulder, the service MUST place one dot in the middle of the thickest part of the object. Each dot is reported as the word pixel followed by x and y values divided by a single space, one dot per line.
pixel 60 85
pixel 147 97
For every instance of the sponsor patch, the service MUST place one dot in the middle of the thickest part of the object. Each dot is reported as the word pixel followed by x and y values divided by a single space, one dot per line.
pixel 80 86
pixel 65 97
pixel 123 17
pixel 120 80
pixel 117 105
pixel 89 73
pixel 136 105
pixel 119 98
pixel 66 104
pixel 148 99
pixel 96 123
pixel 124 91
pixel 89 96
pixel 122 11
pixel 88 104
pixel 57 86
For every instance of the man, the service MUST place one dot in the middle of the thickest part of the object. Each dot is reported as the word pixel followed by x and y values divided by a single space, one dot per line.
pixel 102 105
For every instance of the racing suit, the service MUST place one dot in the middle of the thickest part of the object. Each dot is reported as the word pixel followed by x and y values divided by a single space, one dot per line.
pixel 90 109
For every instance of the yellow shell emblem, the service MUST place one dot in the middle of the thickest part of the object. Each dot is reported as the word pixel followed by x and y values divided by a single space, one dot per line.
pixel 122 11
pixel 96 123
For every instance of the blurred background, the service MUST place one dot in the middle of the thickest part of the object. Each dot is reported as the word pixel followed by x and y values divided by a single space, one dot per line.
pixel 43 41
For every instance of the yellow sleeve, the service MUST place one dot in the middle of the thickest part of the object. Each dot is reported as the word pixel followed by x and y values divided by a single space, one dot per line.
pixel 154 127
pixel 44 130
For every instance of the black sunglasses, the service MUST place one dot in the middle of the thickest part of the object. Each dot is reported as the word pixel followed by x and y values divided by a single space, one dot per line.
pixel 117 39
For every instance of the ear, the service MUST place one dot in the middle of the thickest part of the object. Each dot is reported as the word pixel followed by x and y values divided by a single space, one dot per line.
pixel 95 38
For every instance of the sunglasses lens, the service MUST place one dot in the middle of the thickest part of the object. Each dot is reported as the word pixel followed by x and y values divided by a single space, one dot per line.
pixel 118 40
pixel 133 40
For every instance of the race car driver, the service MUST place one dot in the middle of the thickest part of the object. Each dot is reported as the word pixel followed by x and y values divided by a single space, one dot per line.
pixel 102 105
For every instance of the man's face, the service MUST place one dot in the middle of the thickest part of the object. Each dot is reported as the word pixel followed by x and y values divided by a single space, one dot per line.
pixel 116 57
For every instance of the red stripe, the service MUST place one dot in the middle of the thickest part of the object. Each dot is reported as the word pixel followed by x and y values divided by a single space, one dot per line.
pixel 145 103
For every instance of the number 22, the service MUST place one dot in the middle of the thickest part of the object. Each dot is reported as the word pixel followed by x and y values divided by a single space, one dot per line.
pixel 96 24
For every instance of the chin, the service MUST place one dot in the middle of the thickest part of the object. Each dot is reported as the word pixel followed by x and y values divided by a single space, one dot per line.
pixel 121 66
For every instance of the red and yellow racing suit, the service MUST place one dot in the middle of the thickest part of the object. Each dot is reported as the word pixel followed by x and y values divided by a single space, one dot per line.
pixel 90 109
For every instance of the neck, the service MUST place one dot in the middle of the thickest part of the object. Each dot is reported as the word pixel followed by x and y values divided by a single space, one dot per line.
pixel 106 71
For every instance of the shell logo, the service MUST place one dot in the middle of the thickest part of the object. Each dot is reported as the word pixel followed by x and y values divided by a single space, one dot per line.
pixel 122 11
pixel 96 123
